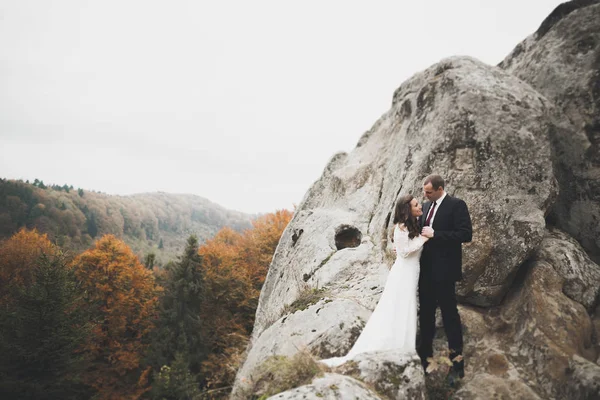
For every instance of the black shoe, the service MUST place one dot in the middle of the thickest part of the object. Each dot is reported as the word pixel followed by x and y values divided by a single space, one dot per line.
pixel 425 364
pixel 454 376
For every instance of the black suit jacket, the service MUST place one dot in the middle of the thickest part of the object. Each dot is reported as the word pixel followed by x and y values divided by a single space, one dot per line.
pixel 441 258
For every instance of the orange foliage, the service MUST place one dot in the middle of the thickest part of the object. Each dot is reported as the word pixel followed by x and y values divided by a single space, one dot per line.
pixel 260 243
pixel 235 268
pixel 122 295
pixel 18 256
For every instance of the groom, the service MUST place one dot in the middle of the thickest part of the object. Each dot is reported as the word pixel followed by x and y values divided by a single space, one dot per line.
pixel 447 223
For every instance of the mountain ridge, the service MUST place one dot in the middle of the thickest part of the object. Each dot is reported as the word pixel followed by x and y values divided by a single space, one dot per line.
pixel 150 223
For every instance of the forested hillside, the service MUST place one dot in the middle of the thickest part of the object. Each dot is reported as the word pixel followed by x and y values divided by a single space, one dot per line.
pixel 100 325
pixel 154 225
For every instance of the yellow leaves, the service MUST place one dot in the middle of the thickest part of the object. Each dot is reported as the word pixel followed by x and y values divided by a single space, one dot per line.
pixel 123 295
pixel 437 363
pixel 235 267
pixel 18 257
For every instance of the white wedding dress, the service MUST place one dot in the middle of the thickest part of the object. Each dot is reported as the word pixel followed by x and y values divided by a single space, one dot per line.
pixel 393 324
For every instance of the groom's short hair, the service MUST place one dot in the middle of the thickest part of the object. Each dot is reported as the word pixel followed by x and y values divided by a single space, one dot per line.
pixel 435 180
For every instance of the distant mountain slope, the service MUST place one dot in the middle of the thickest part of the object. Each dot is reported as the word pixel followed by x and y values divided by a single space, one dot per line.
pixel 156 223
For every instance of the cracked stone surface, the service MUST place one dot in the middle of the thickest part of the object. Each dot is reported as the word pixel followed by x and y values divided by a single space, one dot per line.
pixel 519 143
pixel 562 61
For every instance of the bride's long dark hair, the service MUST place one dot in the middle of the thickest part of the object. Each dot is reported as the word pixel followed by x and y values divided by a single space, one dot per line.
pixel 403 215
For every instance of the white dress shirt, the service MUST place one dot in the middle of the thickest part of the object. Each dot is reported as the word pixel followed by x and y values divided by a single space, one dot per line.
pixel 438 202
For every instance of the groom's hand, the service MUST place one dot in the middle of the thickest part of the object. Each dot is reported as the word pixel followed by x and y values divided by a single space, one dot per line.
pixel 427 231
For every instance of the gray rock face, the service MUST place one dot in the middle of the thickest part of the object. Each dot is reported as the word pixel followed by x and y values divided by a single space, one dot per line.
pixel 475 125
pixel 545 329
pixel 329 387
pixel 505 138
pixel 582 275
pixel 372 375
pixel 486 386
pixel 529 345
pixel 562 61
pixel 392 374
pixel 308 329
pixel 585 379
pixel 596 323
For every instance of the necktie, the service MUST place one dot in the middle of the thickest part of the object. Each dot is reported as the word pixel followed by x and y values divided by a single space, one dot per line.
pixel 430 215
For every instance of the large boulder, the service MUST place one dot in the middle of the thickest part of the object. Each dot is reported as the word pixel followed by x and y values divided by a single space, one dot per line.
pixel 584 382
pixel 581 274
pixel 309 328
pixel 390 375
pixel 596 323
pixel 489 386
pixel 394 375
pixel 540 343
pixel 561 60
pixel 329 387
pixel 506 139
pixel 484 130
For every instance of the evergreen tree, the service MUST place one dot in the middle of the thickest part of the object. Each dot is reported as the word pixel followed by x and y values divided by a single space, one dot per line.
pixel 179 328
pixel 150 260
pixel 42 325
pixel 175 382
pixel 92 226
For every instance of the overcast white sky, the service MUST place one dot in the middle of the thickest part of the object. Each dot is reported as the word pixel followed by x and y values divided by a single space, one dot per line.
pixel 241 102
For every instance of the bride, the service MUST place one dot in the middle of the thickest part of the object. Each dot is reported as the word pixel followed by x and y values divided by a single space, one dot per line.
pixel 393 324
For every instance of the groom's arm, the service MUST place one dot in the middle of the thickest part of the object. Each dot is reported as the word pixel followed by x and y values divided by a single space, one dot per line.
pixel 462 230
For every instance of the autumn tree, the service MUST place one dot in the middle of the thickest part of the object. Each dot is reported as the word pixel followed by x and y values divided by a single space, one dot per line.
pixel 122 297
pixel 18 257
pixel 179 333
pixel 235 268
pixel 260 242
pixel 42 323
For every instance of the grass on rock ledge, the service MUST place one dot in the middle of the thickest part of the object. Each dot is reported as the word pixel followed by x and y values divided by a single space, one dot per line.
pixel 279 373
pixel 306 298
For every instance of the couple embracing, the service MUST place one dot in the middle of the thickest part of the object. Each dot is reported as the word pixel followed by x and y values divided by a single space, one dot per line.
pixel 428 243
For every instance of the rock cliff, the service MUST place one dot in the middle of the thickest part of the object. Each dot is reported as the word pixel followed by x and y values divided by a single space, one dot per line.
pixel 519 143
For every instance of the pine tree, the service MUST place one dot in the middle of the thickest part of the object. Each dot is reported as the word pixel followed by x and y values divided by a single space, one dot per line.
pixel 179 328
pixel 42 325
pixel 150 260
pixel 92 226
pixel 175 382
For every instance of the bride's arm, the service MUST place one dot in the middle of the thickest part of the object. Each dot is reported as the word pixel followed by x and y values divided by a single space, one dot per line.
pixel 406 246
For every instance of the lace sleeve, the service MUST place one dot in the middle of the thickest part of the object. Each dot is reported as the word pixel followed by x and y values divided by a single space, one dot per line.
pixel 404 245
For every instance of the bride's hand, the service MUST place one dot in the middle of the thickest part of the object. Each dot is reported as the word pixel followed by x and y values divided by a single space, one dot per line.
pixel 427 231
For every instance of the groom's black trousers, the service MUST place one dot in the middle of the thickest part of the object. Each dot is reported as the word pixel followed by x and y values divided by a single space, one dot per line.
pixel 431 295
